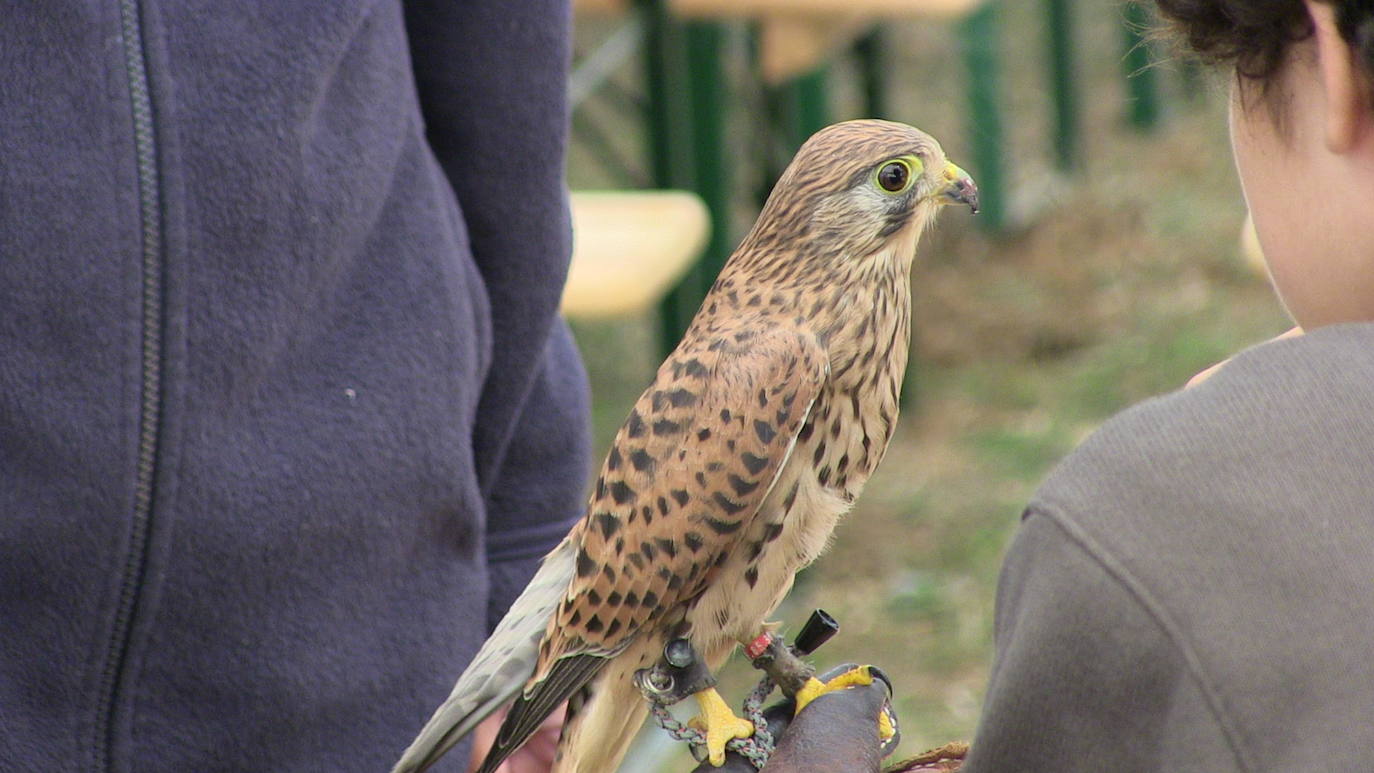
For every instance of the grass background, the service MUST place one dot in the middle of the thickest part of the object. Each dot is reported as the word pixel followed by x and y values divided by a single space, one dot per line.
pixel 1126 284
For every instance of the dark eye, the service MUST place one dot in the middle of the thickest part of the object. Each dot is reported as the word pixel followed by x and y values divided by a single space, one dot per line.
pixel 893 176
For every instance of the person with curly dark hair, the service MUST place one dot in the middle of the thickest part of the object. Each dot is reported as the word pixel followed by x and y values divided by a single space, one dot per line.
pixel 1193 588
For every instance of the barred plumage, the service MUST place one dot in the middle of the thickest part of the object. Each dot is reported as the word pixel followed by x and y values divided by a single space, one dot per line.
pixel 734 466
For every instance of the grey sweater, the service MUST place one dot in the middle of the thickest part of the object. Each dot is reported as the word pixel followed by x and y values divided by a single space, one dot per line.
pixel 1193 588
pixel 287 417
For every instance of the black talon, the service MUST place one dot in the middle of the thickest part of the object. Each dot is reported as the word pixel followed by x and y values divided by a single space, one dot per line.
pixel 878 673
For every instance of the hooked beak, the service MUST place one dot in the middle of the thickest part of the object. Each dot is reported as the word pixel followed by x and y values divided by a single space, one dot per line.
pixel 959 188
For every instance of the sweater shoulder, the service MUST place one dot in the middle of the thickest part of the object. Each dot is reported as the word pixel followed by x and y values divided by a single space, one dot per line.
pixel 1289 414
pixel 1238 511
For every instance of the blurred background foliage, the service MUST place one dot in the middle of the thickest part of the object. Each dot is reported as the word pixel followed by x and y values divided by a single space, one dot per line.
pixel 1123 286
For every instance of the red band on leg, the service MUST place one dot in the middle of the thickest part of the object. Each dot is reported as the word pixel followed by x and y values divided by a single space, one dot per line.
pixel 758 645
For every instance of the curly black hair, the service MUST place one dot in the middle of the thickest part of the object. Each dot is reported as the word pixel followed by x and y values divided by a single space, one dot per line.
pixel 1254 35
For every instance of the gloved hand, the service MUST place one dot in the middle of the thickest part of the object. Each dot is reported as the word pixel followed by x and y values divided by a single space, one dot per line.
pixel 836 732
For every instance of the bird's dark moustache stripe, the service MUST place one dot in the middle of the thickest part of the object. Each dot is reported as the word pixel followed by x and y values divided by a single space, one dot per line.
pixel 896 221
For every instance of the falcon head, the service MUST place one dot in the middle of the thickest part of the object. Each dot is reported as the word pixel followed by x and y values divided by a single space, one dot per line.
pixel 860 188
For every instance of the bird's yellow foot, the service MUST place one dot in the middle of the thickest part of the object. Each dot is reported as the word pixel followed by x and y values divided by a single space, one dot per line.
pixel 859 676
pixel 814 688
pixel 885 727
pixel 719 724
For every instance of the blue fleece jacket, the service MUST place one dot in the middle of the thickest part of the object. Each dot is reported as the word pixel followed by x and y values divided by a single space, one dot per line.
pixel 286 414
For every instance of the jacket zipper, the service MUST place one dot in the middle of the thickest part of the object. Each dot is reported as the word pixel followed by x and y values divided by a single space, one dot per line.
pixel 113 674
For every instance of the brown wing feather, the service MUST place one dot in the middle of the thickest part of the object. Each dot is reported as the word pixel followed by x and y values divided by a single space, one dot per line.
pixel 567 676
pixel 688 469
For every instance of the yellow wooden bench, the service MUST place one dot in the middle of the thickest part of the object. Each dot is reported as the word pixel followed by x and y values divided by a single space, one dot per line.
pixel 629 248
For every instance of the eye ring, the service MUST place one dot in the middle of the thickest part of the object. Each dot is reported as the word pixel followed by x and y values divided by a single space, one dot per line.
pixel 894 176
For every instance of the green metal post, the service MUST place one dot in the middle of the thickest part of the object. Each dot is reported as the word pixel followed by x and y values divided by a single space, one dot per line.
pixel 978 36
pixel 667 133
pixel 772 122
pixel 1142 85
pixel 810 112
pixel 871 50
pixel 663 111
pixel 1059 17
pixel 708 97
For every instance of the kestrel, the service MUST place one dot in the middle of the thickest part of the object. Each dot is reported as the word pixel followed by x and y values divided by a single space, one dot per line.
pixel 734 466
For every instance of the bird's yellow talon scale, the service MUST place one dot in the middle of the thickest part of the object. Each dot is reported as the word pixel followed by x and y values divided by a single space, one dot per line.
pixel 719 724
pixel 815 688
pixel 854 677
pixel 885 728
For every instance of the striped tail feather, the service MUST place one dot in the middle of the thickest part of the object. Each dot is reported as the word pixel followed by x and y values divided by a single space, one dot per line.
pixel 565 677
pixel 501 667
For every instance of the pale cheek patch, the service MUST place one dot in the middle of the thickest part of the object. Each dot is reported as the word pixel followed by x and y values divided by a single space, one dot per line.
pixel 854 219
